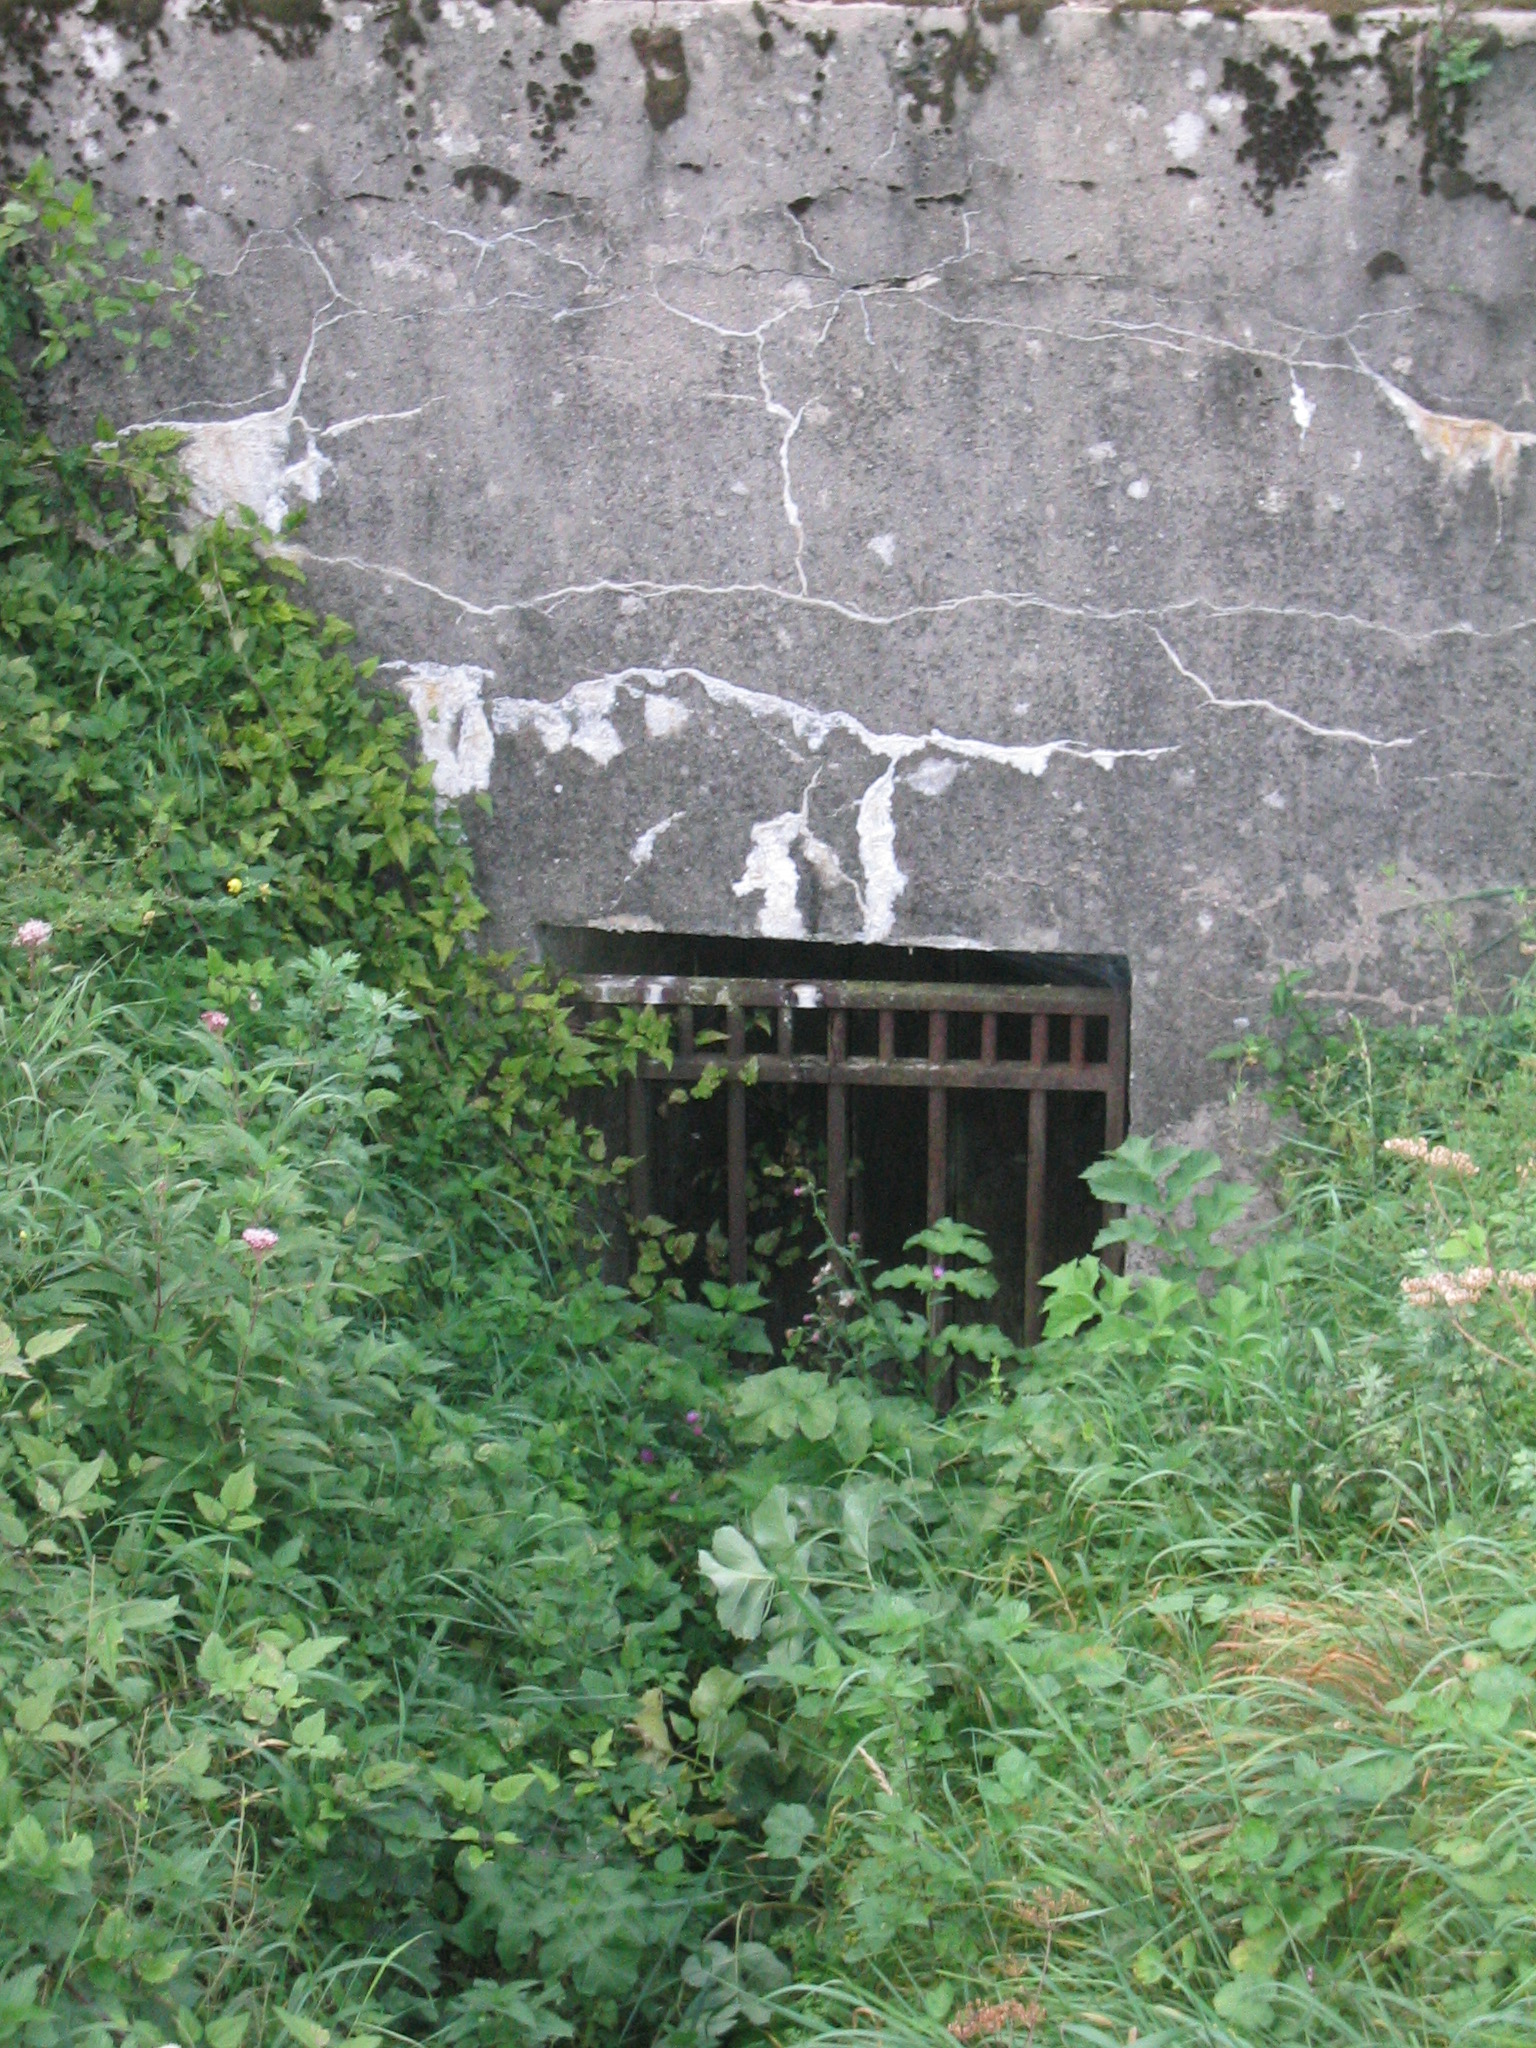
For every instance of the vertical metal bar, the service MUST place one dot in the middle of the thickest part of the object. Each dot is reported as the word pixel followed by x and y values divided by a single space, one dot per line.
pixel 887 1029
pixel 1116 1104
pixel 938 1123
pixel 639 1147
pixel 685 1030
pixel 837 1132
pixel 1039 1040
pixel 1034 1211
pixel 988 1037
pixel 1119 1077
pixel 1079 1031
pixel 938 1192
pixel 736 1149
pixel 786 1034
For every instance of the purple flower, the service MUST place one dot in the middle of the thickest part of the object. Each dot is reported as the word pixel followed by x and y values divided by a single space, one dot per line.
pixel 259 1240
pixel 214 1021
pixel 672 1496
pixel 938 1272
pixel 647 1457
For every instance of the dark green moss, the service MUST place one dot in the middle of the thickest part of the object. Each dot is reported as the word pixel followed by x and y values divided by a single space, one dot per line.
pixel 292 28
pixel 941 61
pixel 665 64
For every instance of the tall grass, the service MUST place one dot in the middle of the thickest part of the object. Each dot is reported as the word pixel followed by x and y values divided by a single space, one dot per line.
pixel 1181 1689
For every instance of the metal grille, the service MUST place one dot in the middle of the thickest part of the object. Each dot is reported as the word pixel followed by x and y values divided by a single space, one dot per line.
pixel 696 1004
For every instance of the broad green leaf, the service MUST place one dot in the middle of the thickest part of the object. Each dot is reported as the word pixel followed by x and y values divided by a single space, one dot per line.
pixel 47 1342
pixel 238 1490
pixel 743 1583
pixel 787 1829
pixel 1515 1628
pixel 312 1652
pixel 715 1694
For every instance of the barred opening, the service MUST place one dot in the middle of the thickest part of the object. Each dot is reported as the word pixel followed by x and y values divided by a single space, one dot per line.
pixel 907 1083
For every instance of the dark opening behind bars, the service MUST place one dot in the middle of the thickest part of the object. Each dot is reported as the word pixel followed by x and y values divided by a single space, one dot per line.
pixel 837 1034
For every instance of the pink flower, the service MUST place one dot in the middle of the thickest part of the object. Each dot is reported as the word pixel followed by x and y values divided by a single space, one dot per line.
pixel 938 1272
pixel 672 1496
pixel 647 1457
pixel 214 1021
pixel 692 1415
pixel 258 1239
pixel 33 935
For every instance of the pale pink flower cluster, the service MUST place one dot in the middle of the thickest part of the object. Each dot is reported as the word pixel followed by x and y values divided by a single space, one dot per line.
pixel 1440 1157
pixel 214 1021
pixel 33 935
pixel 979 2022
pixel 1461 1290
pixel 258 1239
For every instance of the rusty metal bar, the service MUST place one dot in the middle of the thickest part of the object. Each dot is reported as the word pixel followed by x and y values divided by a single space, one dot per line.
pixel 736 1152
pixel 685 1030
pixel 938 1120
pixel 1078 1043
pixel 1117 1106
pixel 938 1187
pixel 1034 1183
pixel 786 1034
pixel 1118 1084
pixel 639 1148
pixel 989 1038
pixel 837 1134
pixel 639 991
pixel 812 1070
pixel 1034 1214
pixel 887 1030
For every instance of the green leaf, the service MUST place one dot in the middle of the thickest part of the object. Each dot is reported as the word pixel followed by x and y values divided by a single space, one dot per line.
pixel 238 1490
pixel 47 1342
pixel 743 1584
pixel 715 1694
pixel 1515 1628
pixel 312 1652
pixel 786 1830
pixel 308 2033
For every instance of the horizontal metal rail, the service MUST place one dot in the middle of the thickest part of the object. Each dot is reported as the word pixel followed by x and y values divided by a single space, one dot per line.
pixel 670 991
pixel 855 1072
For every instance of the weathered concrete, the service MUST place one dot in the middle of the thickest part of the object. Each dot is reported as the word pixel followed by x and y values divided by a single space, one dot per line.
pixel 1016 487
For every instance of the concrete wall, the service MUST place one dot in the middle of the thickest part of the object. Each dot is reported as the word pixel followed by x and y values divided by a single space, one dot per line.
pixel 1059 484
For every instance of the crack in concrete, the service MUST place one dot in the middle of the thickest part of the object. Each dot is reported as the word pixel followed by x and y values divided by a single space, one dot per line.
pixel 1271 709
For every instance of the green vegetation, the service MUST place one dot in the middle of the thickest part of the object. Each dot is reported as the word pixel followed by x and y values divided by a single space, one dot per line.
pixel 407 1637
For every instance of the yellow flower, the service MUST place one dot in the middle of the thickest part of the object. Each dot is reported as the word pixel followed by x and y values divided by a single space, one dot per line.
pixel 234 885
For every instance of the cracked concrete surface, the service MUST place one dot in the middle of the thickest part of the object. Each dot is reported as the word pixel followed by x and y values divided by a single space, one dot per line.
pixel 852 501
